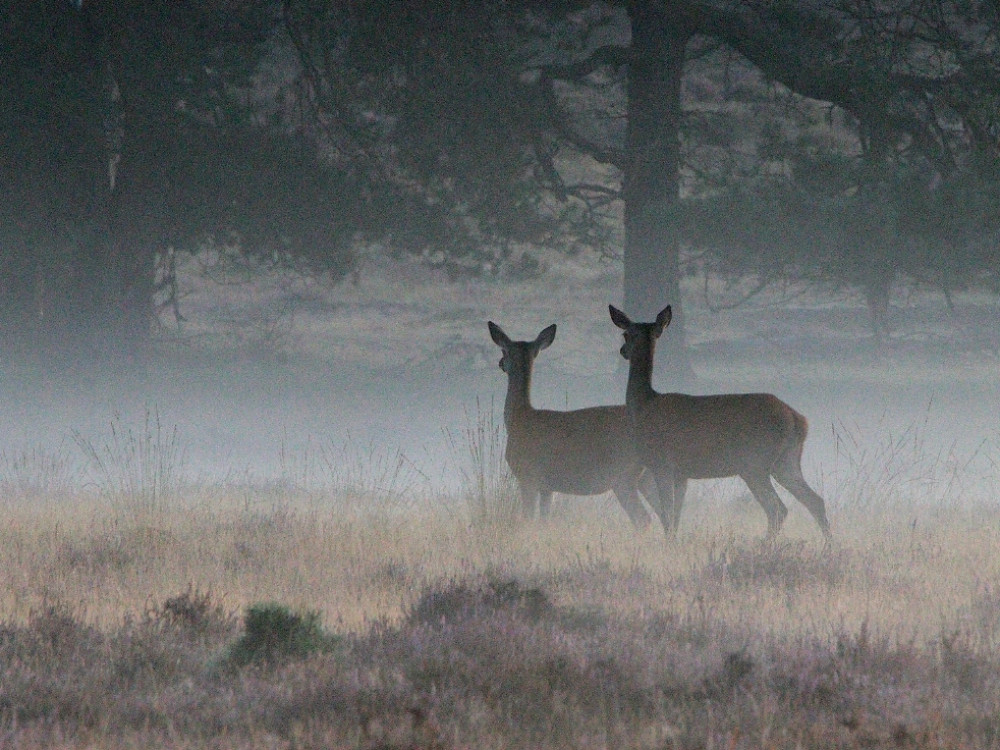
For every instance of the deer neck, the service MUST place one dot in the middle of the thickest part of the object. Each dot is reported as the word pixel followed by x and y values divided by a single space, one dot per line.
pixel 518 401
pixel 639 390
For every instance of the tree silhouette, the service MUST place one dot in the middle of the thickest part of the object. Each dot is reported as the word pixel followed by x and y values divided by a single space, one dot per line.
pixel 129 128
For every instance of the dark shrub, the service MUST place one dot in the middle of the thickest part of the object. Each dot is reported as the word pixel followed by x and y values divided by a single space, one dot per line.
pixel 459 601
pixel 193 611
pixel 273 633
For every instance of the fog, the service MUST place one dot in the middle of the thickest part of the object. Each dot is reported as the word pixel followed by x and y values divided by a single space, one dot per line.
pixel 399 362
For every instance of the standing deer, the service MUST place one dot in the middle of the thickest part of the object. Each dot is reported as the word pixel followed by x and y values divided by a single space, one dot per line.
pixel 677 437
pixel 581 452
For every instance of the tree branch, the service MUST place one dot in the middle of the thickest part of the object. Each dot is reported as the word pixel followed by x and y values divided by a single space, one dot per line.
pixel 608 56
pixel 798 49
pixel 561 127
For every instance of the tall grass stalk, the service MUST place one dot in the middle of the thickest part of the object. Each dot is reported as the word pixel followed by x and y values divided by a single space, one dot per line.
pixel 138 471
pixel 374 479
pixel 38 474
pixel 487 485
pixel 883 468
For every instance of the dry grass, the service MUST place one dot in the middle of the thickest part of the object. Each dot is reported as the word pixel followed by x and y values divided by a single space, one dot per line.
pixel 441 622
pixel 452 632
pixel 349 606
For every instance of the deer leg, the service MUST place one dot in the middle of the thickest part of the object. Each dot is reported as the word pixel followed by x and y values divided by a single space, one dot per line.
pixel 628 497
pixel 646 483
pixel 790 477
pixel 665 486
pixel 544 502
pixel 680 489
pixel 529 496
pixel 763 491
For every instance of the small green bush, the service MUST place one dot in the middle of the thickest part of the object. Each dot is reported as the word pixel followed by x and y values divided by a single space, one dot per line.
pixel 274 633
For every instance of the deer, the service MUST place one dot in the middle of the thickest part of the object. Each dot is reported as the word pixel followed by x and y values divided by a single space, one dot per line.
pixel 577 452
pixel 677 437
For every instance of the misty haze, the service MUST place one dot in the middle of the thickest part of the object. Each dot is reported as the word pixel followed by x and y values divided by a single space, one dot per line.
pixel 254 458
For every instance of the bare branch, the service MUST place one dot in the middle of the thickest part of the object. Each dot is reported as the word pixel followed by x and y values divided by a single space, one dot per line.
pixel 590 189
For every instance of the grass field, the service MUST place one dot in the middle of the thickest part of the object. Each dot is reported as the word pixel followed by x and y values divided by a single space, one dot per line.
pixel 354 576
pixel 143 611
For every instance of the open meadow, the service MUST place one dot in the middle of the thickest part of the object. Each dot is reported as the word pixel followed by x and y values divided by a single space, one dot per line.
pixel 323 552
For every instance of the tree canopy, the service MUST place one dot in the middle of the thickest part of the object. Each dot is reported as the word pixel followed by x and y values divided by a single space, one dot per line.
pixel 844 143
pixel 128 128
pixel 820 141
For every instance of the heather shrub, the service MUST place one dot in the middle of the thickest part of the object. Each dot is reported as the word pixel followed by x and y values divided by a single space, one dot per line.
pixel 786 564
pixel 501 645
pixel 458 600
pixel 193 612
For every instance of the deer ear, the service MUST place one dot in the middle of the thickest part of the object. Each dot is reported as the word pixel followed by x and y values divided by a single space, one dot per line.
pixel 499 337
pixel 619 318
pixel 663 320
pixel 545 338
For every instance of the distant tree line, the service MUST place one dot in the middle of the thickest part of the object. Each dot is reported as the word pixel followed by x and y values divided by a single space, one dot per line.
pixel 845 143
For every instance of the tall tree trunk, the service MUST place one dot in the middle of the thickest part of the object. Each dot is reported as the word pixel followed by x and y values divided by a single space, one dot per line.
pixel 652 176
pixel 135 222
pixel 875 231
pixel 113 280
pixel 80 308
pixel 71 280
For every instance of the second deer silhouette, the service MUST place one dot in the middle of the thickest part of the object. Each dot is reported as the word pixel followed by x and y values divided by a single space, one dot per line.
pixel 580 452
pixel 755 436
